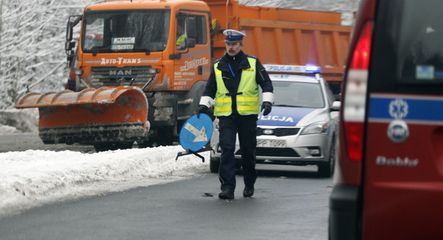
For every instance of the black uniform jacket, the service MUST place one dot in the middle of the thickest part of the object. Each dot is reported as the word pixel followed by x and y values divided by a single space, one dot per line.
pixel 232 68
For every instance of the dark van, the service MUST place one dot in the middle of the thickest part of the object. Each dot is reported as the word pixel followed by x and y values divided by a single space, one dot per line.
pixel 389 173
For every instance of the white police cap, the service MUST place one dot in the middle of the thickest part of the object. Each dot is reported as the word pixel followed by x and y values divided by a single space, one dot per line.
pixel 232 35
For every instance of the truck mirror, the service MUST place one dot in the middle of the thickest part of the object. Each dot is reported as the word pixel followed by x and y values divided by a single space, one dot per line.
pixel 72 22
pixel 69 45
pixel 69 31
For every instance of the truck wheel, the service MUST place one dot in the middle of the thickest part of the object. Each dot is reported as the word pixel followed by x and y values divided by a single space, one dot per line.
pixel 326 170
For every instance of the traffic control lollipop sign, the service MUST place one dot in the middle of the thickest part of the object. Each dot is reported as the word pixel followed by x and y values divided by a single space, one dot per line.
pixel 196 132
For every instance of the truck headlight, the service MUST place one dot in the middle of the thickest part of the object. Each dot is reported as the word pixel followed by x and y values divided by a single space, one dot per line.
pixel 78 72
pixel 315 128
pixel 153 71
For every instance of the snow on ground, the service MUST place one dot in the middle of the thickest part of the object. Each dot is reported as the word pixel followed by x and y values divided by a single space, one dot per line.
pixel 36 177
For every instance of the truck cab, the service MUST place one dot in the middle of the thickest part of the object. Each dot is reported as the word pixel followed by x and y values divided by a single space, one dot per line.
pixel 162 47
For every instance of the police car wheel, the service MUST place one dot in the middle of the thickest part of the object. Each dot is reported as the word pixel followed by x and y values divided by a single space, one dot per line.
pixel 324 170
pixel 327 169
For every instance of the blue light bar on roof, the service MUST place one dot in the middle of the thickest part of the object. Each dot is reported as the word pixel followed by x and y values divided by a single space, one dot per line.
pixel 309 69
pixel 312 69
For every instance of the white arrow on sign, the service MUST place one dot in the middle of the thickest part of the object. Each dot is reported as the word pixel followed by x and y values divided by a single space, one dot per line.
pixel 200 135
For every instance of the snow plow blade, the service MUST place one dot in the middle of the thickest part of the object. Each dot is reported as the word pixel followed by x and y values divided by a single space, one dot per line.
pixel 106 114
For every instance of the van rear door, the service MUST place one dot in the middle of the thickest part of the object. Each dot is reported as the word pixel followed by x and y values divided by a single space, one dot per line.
pixel 403 166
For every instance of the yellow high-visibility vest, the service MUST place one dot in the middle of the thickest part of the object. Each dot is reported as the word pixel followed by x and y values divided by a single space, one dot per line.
pixel 181 41
pixel 248 100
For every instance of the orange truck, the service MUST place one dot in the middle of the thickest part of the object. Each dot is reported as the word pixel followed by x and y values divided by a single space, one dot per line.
pixel 131 79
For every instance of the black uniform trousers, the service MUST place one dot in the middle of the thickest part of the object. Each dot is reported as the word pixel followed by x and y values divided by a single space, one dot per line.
pixel 246 126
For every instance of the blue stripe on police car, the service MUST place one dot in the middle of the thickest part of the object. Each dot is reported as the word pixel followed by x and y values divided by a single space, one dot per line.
pixel 284 116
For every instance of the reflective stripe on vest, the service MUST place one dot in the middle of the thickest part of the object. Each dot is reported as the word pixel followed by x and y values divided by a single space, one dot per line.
pixel 248 100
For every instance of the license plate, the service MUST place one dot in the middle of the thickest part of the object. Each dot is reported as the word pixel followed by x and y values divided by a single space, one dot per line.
pixel 271 143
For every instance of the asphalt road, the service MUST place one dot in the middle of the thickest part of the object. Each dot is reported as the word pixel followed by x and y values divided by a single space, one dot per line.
pixel 287 205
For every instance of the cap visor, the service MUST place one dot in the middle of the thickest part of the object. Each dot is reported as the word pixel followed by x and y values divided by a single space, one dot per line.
pixel 232 41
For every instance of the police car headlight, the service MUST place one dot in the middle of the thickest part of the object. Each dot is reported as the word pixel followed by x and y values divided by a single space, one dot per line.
pixel 315 128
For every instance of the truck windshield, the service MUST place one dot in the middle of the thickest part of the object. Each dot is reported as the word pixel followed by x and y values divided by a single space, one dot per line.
pixel 125 31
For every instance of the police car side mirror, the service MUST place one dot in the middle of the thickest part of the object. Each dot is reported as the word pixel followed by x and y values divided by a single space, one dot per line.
pixel 336 106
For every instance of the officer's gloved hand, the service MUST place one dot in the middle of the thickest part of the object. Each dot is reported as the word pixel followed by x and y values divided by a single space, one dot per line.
pixel 204 109
pixel 266 107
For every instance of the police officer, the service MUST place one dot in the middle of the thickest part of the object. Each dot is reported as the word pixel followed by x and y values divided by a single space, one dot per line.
pixel 233 90
pixel 181 34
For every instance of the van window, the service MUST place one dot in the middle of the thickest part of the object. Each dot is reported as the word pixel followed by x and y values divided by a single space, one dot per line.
pixel 408 46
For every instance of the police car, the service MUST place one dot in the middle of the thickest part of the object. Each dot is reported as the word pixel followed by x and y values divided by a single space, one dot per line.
pixel 302 126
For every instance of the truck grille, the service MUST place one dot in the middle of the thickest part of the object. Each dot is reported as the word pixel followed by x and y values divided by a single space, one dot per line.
pixel 277 131
pixel 112 76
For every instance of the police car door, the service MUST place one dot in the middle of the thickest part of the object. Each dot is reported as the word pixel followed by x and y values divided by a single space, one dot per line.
pixel 403 168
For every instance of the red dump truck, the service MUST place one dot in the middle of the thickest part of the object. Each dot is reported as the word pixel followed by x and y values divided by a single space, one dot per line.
pixel 130 80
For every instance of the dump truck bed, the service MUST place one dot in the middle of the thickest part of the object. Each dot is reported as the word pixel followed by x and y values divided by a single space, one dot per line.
pixel 285 36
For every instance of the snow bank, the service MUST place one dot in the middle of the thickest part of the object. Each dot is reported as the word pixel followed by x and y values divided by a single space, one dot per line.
pixel 37 177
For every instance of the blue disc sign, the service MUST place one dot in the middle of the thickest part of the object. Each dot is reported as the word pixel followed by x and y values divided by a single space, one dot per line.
pixel 196 132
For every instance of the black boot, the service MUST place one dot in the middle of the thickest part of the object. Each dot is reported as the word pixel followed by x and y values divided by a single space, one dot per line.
pixel 226 194
pixel 248 192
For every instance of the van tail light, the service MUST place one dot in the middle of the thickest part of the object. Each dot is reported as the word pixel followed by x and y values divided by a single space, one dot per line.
pixel 355 100
pixel 353 109
pixel 362 51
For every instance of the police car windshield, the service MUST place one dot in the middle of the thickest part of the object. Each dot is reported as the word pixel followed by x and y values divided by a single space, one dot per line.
pixel 298 94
